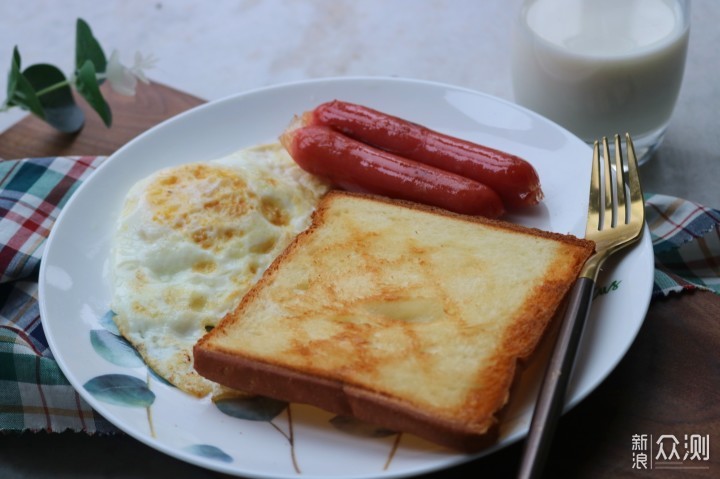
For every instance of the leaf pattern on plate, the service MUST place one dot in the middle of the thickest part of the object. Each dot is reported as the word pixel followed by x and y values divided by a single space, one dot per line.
pixel 112 346
pixel 356 427
pixel 159 378
pixel 253 408
pixel 107 322
pixel 115 349
pixel 210 452
pixel 120 390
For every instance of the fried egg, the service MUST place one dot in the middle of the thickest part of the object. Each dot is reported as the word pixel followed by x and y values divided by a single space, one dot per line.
pixel 190 242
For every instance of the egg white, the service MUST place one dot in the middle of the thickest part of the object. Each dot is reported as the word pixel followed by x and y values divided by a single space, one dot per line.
pixel 190 242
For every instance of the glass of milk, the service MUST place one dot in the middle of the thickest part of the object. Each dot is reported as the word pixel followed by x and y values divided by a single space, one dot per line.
pixel 600 67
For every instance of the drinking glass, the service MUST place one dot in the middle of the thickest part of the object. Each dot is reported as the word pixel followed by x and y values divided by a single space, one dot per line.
pixel 600 67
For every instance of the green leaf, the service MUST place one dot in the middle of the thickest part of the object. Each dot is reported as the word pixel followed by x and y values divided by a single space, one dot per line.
pixel 210 452
pixel 356 427
pixel 87 85
pixel 13 74
pixel 121 390
pixel 20 91
pixel 255 408
pixel 54 93
pixel 87 48
pixel 115 349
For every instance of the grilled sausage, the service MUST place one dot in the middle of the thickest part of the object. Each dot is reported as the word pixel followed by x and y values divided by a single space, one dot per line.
pixel 355 166
pixel 514 179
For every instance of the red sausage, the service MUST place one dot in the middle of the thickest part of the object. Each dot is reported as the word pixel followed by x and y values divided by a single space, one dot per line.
pixel 355 166
pixel 513 178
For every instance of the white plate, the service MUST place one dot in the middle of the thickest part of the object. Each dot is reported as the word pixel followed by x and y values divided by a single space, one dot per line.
pixel 74 290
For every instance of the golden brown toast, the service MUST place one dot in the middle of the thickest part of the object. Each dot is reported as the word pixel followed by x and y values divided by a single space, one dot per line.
pixel 401 315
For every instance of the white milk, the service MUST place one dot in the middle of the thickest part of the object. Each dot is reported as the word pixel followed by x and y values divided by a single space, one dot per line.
pixel 600 67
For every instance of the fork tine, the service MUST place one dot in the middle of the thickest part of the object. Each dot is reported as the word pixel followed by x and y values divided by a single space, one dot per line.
pixel 595 201
pixel 621 216
pixel 606 218
pixel 637 203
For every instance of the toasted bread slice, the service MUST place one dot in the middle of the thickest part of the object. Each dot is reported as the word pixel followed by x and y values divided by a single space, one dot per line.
pixel 401 315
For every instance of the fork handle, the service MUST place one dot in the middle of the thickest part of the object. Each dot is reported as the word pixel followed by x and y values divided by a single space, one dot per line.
pixel 550 401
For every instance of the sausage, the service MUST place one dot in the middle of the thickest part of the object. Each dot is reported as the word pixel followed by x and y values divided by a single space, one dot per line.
pixel 513 178
pixel 355 166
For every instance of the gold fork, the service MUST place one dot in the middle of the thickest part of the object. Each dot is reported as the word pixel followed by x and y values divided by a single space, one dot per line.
pixel 616 217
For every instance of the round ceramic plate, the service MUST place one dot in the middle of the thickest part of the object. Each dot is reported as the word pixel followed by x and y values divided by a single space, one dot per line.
pixel 256 439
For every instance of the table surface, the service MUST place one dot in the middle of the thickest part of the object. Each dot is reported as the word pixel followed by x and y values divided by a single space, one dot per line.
pixel 668 381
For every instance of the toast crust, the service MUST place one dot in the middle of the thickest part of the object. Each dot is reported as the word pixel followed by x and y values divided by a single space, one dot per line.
pixel 468 427
pixel 273 381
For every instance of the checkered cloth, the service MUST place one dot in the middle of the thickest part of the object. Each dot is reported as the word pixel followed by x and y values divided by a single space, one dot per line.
pixel 686 244
pixel 34 394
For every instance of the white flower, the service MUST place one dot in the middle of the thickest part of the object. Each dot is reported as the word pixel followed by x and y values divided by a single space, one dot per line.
pixel 123 79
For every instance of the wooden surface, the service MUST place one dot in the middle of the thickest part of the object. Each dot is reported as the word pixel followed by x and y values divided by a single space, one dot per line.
pixel 151 104
pixel 668 383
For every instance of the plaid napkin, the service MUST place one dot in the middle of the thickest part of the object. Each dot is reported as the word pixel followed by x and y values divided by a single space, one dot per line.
pixel 686 244
pixel 34 394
